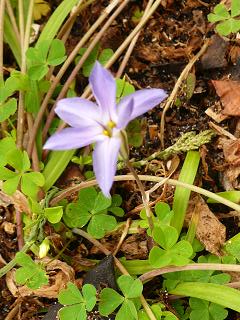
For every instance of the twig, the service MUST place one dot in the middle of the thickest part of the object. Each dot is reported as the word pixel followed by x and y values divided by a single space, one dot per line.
pixel 13 19
pixel 206 193
pixel 145 199
pixel 196 266
pixel 64 68
pixel 127 41
pixel 132 45
pixel 118 264
pixel 79 65
pixel 123 236
pixel 173 95
pixel 20 238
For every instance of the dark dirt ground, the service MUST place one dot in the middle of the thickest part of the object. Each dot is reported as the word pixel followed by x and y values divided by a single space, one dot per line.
pixel 172 36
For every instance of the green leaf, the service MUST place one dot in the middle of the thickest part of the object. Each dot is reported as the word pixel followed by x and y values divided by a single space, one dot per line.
pixel 56 20
pixel 54 214
pixel 70 295
pixel 10 38
pixel 6 174
pixel 220 13
pixel 119 212
pixel 87 197
pixel 124 88
pixel 158 258
pixel 30 183
pixel 232 246
pixel 100 224
pixel 109 301
pixel 233 195
pixel 229 26
pixel 101 203
pixel 74 312
pixel 10 185
pixel 7 109
pixel 56 53
pixel 56 164
pixel 130 288
pixel 105 55
pixel 76 215
pixel 36 177
pixel 235 8
pixel 134 133
pixel 15 159
pixel 217 312
pixel 89 294
pixel 127 311
pixel 37 72
pixel 29 273
pixel 165 235
pixel 182 195
pixel 219 294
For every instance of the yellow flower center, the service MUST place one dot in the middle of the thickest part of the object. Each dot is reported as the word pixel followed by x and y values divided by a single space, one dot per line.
pixel 108 129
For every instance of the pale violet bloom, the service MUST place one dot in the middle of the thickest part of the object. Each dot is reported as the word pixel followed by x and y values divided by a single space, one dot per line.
pixel 101 122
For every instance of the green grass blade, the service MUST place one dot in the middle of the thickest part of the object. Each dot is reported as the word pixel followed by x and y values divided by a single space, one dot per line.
pixel 216 293
pixel 181 195
pixel 56 20
pixel 56 164
pixel 11 39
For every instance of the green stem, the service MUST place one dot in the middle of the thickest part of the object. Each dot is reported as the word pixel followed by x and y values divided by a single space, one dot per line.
pixel 12 263
pixel 2 11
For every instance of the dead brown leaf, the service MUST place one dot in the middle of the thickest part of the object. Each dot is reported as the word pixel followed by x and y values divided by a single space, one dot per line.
pixel 229 93
pixel 59 275
pixel 214 57
pixel 210 232
pixel 231 151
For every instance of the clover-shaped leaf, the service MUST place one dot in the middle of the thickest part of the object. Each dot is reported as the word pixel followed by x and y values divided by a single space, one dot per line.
pixel 131 288
pixel 76 303
pixel 91 210
pixel 220 13
pixel 30 274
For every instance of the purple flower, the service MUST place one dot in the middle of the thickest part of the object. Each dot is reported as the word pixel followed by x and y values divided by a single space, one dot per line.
pixel 102 122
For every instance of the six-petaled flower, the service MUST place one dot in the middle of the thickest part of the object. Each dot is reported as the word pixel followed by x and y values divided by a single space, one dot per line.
pixel 101 123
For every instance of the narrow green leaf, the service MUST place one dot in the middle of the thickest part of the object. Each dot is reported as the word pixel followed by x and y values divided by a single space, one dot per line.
pixel 56 164
pixel 219 294
pixel 182 195
pixel 11 39
pixel 56 20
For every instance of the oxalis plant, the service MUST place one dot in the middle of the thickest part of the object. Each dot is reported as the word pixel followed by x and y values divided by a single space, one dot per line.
pixel 105 127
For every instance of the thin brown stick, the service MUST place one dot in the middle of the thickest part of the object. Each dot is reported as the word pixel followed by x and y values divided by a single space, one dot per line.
pixel 118 264
pixel 64 68
pixel 132 45
pixel 123 236
pixel 79 65
pixel 177 86
pixel 13 19
pixel 19 224
pixel 126 42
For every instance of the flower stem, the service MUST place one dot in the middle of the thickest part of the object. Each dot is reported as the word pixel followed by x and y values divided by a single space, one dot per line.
pixel 143 193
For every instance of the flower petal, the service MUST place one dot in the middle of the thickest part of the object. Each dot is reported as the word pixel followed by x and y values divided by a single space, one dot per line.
pixel 105 157
pixel 74 138
pixel 143 101
pixel 104 89
pixel 124 114
pixel 74 110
